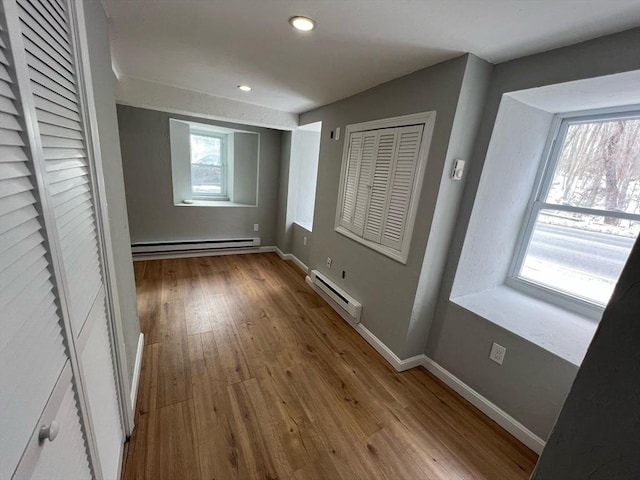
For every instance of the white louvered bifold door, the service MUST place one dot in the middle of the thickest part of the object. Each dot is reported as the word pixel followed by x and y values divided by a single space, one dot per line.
pixel 401 185
pixel 31 338
pixel 44 37
pixel 385 152
pixel 51 71
pixel 363 182
pixel 350 179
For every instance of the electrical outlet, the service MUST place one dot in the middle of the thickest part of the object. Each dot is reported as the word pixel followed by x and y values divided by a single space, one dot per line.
pixel 256 227
pixel 329 262
pixel 497 353
pixel 304 240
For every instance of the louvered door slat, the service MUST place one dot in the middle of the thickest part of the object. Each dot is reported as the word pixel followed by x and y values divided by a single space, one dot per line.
pixel 13 170
pixel 13 186
pixel 380 183
pixel 43 29
pixel 8 121
pixel 363 186
pixel 65 457
pixel 31 340
pixel 401 185
pixel 350 181
pixel 11 153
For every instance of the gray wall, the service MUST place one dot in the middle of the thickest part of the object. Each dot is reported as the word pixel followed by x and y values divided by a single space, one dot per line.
pixel 468 114
pixel 385 287
pixel 146 155
pixel 532 384
pixel 284 215
pixel 298 248
pixel 597 435
pixel 103 88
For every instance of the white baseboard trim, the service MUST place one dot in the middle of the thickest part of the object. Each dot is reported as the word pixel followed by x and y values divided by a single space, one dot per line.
pixel 395 361
pixel 495 413
pixel 136 372
pixel 200 253
pixel 292 257
pixel 491 410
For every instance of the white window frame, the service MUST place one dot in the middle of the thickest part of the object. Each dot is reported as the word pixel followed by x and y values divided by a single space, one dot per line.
pixel 223 196
pixel 427 119
pixel 550 156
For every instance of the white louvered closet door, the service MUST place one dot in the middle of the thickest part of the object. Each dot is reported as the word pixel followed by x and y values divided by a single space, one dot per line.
pixel 31 338
pixel 44 37
pixel 351 180
pixel 383 161
pixel 363 182
pixel 401 185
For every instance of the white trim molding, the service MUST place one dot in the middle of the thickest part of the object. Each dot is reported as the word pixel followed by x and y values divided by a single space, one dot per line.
pixel 491 410
pixel 137 368
pixel 292 257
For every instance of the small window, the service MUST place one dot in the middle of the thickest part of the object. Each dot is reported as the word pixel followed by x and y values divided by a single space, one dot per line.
pixel 208 166
pixel 213 166
pixel 585 215
pixel 382 170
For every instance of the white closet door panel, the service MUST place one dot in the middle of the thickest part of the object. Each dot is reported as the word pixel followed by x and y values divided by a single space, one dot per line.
pixel 385 152
pixel 97 366
pixel 365 174
pixel 65 457
pixel 401 186
pixel 8 121
pixel 31 338
pixel 350 180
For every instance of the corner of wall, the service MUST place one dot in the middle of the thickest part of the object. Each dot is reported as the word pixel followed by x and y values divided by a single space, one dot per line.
pixel 471 100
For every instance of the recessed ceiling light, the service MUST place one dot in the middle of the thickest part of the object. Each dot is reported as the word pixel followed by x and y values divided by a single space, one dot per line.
pixel 244 88
pixel 302 23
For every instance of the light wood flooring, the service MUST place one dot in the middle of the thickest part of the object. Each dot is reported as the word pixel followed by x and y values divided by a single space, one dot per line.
pixel 247 373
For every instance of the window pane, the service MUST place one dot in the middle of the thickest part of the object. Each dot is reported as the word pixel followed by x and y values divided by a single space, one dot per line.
pixel 581 255
pixel 207 169
pixel 599 167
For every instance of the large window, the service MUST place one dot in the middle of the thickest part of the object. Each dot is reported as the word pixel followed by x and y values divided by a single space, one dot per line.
pixel 585 214
pixel 208 166
pixel 382 170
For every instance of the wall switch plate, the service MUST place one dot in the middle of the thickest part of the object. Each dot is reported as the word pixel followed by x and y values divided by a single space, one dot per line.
pixel 458 170
pixel 304 240
pixel 497 353
pixel 329 262
pixel 337 136
pixel 256 227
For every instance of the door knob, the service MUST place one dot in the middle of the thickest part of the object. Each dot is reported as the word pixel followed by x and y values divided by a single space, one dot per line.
pixel 49 432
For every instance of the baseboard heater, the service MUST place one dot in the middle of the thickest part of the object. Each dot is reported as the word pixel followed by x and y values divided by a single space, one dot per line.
pixel 149 248
pixel 337 294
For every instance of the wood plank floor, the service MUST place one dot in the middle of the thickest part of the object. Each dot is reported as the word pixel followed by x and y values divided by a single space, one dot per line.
pixel 247 373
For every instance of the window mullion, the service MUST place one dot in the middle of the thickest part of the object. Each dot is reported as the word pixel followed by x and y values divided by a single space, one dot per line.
pixel 589 211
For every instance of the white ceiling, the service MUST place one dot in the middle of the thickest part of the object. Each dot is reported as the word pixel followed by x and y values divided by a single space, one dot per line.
pixel 211 46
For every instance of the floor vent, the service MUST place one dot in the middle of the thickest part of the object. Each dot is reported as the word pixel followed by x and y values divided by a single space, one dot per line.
pixel 337 294
pixel 146 248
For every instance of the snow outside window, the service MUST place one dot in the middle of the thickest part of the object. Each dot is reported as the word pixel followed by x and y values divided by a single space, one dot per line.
pixel 585 214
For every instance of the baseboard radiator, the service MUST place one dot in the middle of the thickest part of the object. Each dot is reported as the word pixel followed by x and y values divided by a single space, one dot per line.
pixel 337 294
pixel 151 248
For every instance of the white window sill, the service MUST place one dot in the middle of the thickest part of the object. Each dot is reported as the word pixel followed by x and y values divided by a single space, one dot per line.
pixel 561 332
pixel 308 226
pixel 212 203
